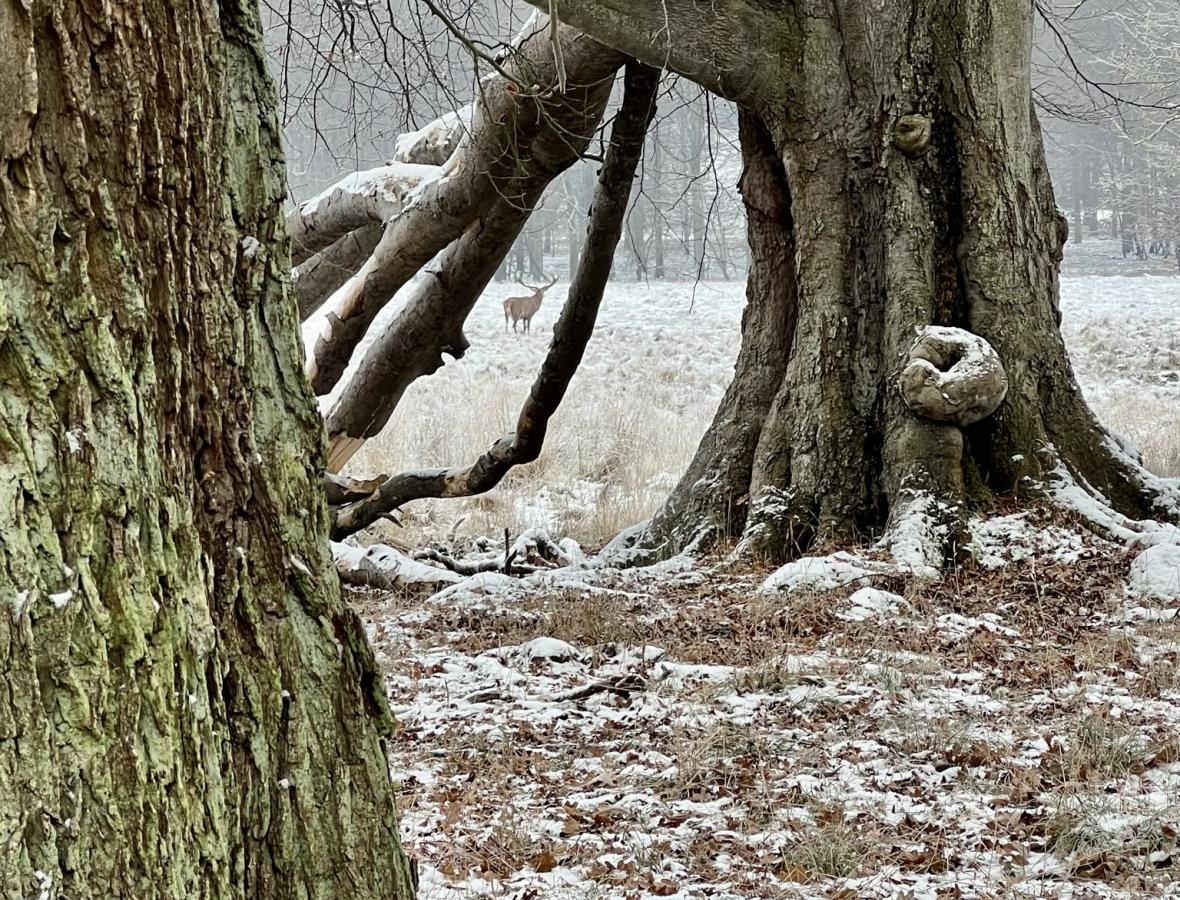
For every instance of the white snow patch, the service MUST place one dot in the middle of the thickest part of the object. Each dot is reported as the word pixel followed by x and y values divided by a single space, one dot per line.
pixel 384 566
pixel 821 573
pixel 997 541
pixel 1155 573
pixel 546 648
pixel 870 603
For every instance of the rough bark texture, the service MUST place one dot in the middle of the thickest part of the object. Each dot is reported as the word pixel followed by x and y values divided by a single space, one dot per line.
pixel 727 46
pixel 712 497
pixel 570 335
pixel 188 708
pixel 919 196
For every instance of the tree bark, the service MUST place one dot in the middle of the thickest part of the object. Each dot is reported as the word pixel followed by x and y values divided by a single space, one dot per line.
pixel 189 708
pixel 712 497
pixel 918 196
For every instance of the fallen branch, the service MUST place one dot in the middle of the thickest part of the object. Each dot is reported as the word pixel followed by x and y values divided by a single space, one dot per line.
pixel 386 567
pixel 570 335
pixel 467 568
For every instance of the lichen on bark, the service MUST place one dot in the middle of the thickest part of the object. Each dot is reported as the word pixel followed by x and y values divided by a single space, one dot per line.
pixel 190 710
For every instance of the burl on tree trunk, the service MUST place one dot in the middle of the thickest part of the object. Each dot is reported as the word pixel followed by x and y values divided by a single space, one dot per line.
pixel 188 708
pixel 901 355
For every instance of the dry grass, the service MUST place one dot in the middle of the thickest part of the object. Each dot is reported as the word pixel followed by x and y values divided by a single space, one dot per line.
pixel 675 787
pixel 609 458
pixel 1137 415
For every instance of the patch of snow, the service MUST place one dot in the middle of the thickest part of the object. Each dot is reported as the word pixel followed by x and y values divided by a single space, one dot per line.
pixel 1155 573
pixel 383 566
pixel 870 603
pixel 821 573
pixel 958 626
pixel 543 648
pixel 997 541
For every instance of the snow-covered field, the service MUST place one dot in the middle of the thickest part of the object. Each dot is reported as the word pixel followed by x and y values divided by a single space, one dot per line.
pixel 658 364
pixel 687 731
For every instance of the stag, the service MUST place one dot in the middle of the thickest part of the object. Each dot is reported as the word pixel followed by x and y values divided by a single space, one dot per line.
pixel 522 309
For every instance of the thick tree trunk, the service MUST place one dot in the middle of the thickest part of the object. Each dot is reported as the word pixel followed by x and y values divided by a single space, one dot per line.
pixel 189 709
pixel 713 495
pixel 918 197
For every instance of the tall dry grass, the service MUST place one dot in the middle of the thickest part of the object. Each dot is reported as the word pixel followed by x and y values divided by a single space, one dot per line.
pixel 610 456
pixel 1151 425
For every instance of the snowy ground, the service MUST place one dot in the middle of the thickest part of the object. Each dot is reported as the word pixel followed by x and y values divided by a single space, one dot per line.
pixel 683 732
pixel 692 732
pixel 659 363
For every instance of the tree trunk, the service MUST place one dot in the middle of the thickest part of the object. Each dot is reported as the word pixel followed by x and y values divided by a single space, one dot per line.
pixel 189 708
pixel 918 197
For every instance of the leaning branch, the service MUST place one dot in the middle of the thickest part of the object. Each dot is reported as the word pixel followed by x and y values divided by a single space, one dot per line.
pixel 317 279
pixel 360 199
pixel 570 335
pixel 726 46
pixel 515 136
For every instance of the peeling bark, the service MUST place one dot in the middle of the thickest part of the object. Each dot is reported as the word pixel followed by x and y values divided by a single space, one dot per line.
pixel 189 708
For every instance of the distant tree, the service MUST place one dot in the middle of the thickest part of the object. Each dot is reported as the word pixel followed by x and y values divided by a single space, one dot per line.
pixel 187 708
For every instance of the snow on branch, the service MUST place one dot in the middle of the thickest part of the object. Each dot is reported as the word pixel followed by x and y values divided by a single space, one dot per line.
pixel 357 200
pixel 519 140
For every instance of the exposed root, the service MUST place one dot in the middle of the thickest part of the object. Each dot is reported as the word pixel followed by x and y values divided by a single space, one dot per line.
pixel 921 533
pixel 1072 493
pixel 779 526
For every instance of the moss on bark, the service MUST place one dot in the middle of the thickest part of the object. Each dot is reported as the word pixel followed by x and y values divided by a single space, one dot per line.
pixel 190 710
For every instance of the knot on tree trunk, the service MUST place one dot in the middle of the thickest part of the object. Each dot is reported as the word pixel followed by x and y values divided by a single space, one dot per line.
pixel 911 134
pixel 953 376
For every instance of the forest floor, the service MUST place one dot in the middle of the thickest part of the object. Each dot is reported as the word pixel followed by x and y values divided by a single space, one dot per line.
pixel 684 731
pixel 688 731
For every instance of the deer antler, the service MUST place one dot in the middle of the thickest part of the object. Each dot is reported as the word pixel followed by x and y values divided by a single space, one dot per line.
pixel 535 288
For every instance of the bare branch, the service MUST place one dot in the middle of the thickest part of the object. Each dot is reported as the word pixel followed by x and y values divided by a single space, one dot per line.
pixel 516 138
pixel 570 335
pixel 727 46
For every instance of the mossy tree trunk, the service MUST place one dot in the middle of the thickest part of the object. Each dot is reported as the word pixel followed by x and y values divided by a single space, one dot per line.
pixel 188 708
pixel 913 192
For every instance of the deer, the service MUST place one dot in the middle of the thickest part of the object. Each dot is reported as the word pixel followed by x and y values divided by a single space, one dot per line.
pixel 522 309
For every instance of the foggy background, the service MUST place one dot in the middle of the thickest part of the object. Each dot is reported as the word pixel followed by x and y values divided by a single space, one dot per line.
pixel 354 74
